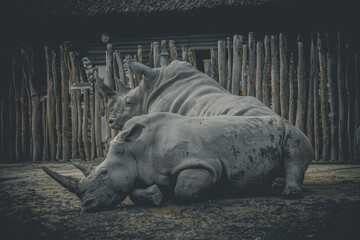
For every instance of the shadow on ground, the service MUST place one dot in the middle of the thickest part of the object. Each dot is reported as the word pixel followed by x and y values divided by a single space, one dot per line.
pixel 33 206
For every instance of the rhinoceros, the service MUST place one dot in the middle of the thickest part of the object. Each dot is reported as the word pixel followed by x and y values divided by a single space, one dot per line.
pixel 187 159
pixel 177 88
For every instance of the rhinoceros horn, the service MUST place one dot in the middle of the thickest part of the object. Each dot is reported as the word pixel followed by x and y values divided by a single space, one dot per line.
pixel 139 68
pixel 84 168
pixel 69 183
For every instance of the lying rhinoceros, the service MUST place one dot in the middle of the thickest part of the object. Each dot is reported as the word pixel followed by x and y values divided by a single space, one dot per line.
pixel 177 88
pixel 168 155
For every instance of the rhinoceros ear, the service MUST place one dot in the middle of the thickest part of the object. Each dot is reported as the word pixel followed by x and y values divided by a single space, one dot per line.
pixel 104 89
pixel 133 133
pixel 138 68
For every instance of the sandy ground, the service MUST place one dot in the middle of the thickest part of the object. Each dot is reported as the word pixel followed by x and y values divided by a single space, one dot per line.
pixel 33 206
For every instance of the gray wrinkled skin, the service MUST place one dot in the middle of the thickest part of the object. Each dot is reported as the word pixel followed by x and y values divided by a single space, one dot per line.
pixel 180 88
pixel 166 155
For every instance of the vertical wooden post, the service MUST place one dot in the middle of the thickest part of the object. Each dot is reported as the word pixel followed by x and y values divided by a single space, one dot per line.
pixel 44 128
pixel 313 78
pixel 2 128
pixel 111 84
pixel 57 106
pixel 236 71
pixel 350 87
pixel 301 100
pixel 213 62
pixel 266 72
pixel 259 69
pixel 275 80
pixel 98 140
pixel 192 57
pixel 184 53
pixel 291 89
pixel 65 76
pixel 252 65
pixel 79 109
pixel 50 109
pixel 221 63
pixel 284 76
pixel 92 124
pixel 164 56
pixel 357 110
pixel 243 70
pixel 323 99
pixel 156 54
pixel 229 65
pixel 151 56
pixel 27 72
pixel 173 51
pixel 24 117
pixel 207 67
pixel 17 95
pixel 333 101
pixel 74 116
pixel 140 76
pixel 11 121
pixel 343 148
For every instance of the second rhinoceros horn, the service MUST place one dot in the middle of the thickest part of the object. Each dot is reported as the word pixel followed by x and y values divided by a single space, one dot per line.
pixel 84 168
pixel 69 183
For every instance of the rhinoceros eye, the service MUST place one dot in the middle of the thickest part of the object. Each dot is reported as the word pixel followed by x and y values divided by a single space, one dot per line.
pixel 104 171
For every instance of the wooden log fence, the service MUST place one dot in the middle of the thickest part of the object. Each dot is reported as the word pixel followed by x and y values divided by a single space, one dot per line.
pixel 319 96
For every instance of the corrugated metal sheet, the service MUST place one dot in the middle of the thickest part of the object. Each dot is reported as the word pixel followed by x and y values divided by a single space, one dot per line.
pixel 128 46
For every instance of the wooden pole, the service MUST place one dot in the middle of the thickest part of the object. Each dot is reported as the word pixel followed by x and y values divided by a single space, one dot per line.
pixel 74 117
pixel 301 99
pixel 27 71
pixel 57 106
pixel 79 109
pixel 184 53
pixel 156 51
pixel 173 51
pixel 252 65
pixel 92 124
pixel 139 76
pixel 266 72
pixel 164 56
pixel 229 65
pixel 65 76
pixel 317 132
pixel 291 89
pixel 275 80
pixel 25 146
pixel 357 110
pixel 333 102
pixel 243 70
pixel 17 95
pixel 236 71
pixel 50 107
pixel 313 78
pixel 259 69
pixel 213 62
pixel 44 129
pixel 350 91
pixel 192 57
pixel 111 84
pixel 284 76
pixel 343 147
pixel 151 56
pixel 98 140
pixel 12 119
pixel 221 63
pixel 324 99
pixel 207 67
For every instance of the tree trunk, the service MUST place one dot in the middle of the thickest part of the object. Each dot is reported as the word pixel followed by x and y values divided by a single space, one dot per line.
pixel 301 99
pixel 156 54
pixel 259 69
pixel 291 89
pixel 333 103
pixel 236 72
pixel 173 51
pixel 252 65
pixel 313 78
pixel 275 80
pixel 266 72
pixel 350 91
pixel 229 65
pixel 184 53
pixel 50 107
pixel 221 63
pixel 213 61
pixel 98 140
pixel 343 147
pixel 323 99
pixel 243 70
pixel 207 67
pixel 74 112
pixel 284 77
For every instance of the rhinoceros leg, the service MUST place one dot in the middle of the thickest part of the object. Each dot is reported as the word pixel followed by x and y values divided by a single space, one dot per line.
pixel 150 196
pixel 192 185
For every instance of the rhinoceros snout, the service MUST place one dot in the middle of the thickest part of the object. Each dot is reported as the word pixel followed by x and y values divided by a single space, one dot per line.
pixel 110 120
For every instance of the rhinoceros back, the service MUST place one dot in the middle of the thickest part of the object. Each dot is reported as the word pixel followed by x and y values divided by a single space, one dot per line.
pixel 182 89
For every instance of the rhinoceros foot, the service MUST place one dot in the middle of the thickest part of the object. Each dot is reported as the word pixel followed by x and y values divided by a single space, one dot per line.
pixel 150 196
pixel 292 192
pixel 278 186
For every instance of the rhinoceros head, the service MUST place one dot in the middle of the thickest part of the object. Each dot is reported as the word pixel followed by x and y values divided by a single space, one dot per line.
pixel 128 102
pixel 107 184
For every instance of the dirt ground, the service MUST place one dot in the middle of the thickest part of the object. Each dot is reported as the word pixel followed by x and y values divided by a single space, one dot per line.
pixel 33 206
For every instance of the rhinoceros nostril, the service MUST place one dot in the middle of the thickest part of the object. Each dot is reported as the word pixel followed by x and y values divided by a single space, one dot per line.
pixel 110 121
